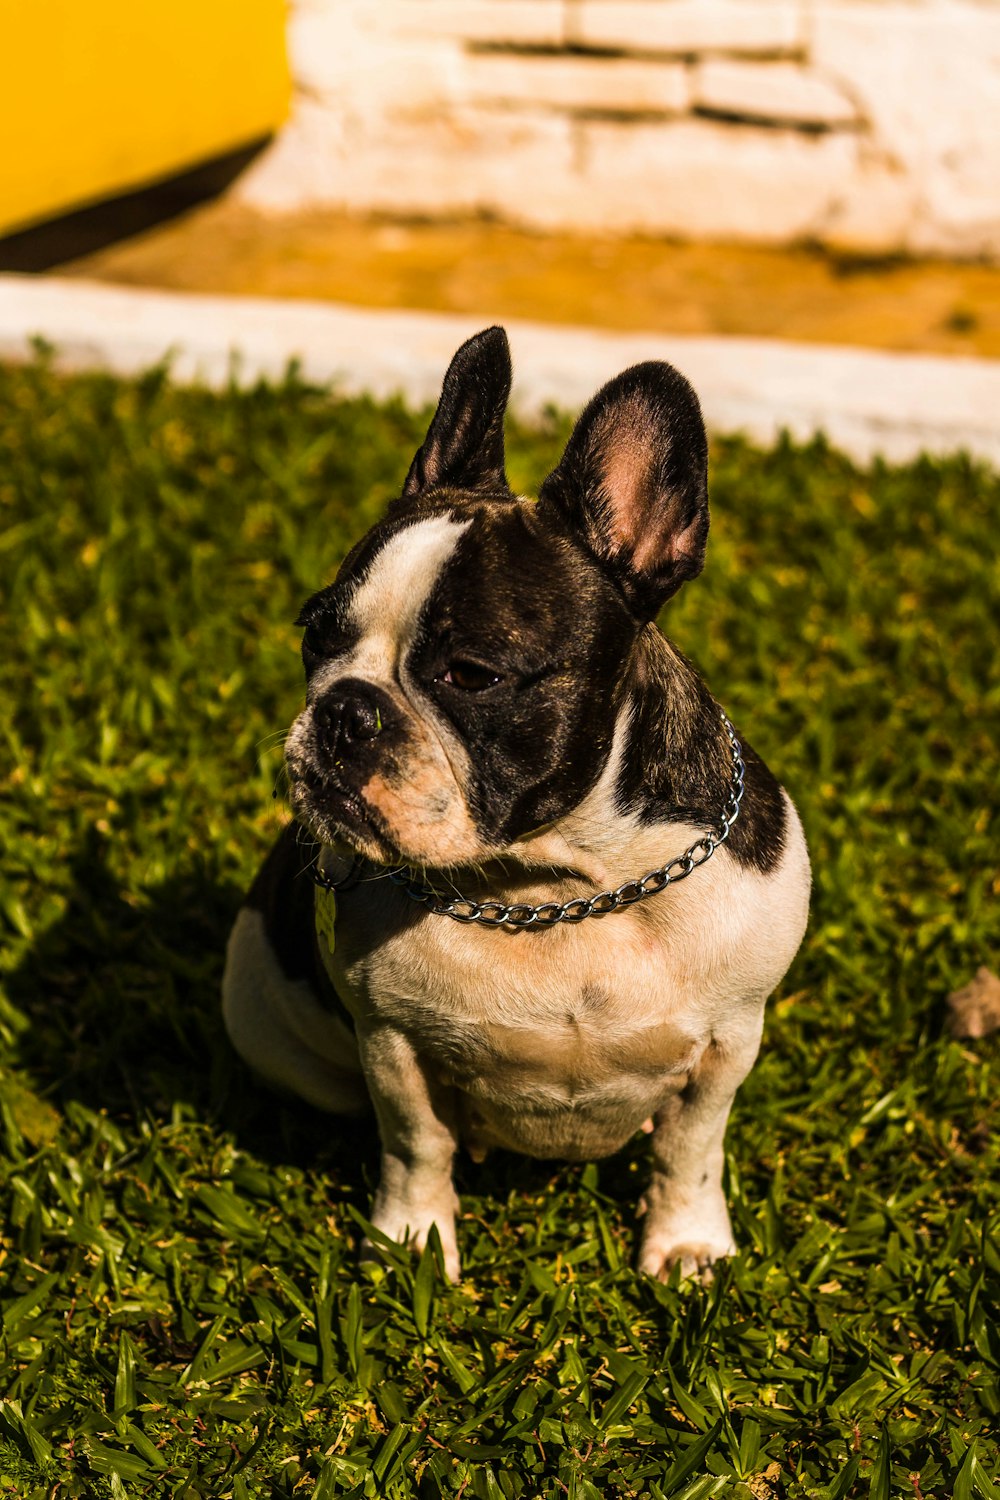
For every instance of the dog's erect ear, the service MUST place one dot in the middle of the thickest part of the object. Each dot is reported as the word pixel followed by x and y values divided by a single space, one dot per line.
pixel 463 448
pixel 633 483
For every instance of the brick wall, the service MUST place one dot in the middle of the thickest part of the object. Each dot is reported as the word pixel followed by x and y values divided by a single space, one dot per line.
pixel 867 124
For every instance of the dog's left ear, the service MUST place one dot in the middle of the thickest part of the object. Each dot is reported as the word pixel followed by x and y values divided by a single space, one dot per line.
pixel 633 483
pixel 463 448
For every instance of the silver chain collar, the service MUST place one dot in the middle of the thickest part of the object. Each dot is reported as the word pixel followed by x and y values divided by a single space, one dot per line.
pixel 521 917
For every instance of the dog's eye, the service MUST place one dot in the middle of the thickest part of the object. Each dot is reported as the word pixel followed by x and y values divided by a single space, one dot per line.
pixel 469 676
pixel 321 638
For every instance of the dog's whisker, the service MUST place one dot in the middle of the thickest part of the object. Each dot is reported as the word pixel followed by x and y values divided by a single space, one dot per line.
pixel 276 737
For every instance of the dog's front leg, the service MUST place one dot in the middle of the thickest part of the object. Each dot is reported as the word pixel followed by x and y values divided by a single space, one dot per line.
pixel 416 1119
pixel 687 1219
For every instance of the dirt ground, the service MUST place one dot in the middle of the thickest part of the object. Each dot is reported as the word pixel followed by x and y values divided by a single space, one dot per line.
pixel 499 272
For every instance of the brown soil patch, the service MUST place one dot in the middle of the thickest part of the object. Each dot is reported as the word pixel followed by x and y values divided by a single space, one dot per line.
pixel 497 272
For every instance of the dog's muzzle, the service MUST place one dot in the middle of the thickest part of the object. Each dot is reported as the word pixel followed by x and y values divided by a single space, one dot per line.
pixel 350 714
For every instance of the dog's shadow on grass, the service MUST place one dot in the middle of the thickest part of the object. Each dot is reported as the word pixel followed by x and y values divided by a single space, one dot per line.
pixel 121 1001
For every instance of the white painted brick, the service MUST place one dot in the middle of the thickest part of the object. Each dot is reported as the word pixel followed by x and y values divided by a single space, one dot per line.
pixel 690 25
pixel 522 22
pixel 465 161
pixel 335 54
pixel 780 91
pixel 928 83
pixel 524 168
pixel 697 179
pixel 928 80
pixel 876 213
pixel 578 83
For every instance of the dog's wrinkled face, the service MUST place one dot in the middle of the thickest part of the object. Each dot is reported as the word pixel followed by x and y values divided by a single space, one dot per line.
pixel 465 670
pixel 461 685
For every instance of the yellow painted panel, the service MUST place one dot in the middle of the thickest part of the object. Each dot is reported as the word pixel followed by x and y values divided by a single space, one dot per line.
pixel 100 96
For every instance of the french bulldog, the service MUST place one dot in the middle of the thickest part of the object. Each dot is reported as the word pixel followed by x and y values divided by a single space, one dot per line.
pixel 510 783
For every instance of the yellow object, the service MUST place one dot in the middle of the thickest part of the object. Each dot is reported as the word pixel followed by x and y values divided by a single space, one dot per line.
pixel 101 96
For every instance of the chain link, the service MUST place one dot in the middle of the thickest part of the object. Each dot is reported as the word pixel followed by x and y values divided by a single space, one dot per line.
pixel 522 917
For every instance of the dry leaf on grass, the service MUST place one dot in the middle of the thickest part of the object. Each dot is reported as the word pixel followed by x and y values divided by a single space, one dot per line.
pixel 975 1009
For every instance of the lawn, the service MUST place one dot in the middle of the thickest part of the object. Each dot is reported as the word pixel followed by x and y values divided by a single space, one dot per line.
pixel 184 1313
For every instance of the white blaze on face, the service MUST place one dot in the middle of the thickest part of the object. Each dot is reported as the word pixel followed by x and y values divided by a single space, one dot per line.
pixel 389 601
pixel 422 804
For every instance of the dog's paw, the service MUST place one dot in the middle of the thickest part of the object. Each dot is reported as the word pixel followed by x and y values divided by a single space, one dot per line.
pixel 693 1237
pixel 449 1249
pixel 695 1259
pixel 412 1229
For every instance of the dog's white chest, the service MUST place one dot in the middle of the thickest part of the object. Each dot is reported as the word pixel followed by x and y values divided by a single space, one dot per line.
pixel 575 1041
pixel 557 1043
pixel 562 1042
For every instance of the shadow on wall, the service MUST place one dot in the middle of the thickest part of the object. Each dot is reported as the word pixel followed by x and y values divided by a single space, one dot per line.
pixel 87 230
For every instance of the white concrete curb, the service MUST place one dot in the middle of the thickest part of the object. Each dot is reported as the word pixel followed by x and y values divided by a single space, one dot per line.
pixel 866 402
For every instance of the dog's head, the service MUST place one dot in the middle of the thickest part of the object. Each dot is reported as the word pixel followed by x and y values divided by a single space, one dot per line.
pixel 466 668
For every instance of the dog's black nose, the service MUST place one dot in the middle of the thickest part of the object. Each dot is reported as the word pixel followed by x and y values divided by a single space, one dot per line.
pixel 347 715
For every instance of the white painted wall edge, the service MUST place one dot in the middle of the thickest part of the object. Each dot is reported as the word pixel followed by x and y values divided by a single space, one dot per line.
pixel 866 401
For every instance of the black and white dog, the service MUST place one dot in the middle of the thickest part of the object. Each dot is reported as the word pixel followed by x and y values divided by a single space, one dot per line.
pixel 494 726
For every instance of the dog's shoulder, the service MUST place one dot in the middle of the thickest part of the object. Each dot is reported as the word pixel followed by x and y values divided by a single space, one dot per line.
pixel 676 760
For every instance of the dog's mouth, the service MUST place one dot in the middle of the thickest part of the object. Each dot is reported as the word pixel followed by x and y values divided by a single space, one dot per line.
pixel 333 811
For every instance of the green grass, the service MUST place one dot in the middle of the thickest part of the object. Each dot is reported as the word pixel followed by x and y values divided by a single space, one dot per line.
pixel 184 1313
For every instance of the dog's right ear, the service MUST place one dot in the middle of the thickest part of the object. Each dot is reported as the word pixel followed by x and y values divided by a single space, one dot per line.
pixel 463 448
